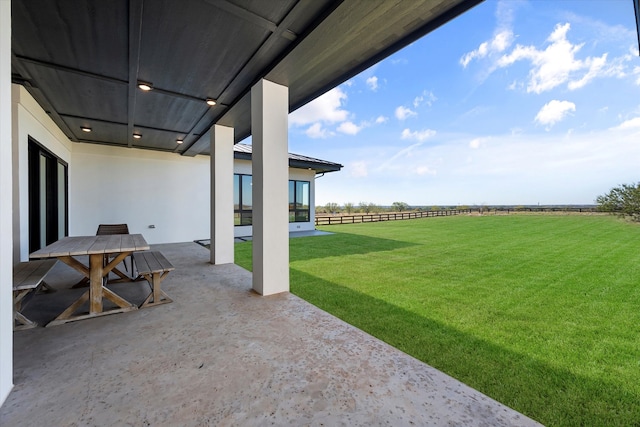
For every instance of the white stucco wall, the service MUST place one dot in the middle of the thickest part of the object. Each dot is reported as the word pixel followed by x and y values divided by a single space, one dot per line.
pixel 111 185
pixel 142 188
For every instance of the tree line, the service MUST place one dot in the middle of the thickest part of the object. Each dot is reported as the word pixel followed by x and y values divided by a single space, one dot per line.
pixel 368 208
pixel 623 200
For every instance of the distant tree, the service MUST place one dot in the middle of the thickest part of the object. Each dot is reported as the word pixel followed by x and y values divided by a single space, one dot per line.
pixel 365 207
pixel 399 206
pixel 348 207
pixel 332 208
pixel 435 208
pixel 374 208
pixel 623 200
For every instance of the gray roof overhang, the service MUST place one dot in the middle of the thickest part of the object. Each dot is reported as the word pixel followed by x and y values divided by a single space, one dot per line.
pixel 298 161
pixel 82 59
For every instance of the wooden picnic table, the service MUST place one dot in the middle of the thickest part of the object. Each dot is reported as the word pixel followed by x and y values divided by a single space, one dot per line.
pixel 118 246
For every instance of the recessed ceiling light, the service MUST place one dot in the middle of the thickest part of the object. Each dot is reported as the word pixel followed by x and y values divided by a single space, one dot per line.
pixel 145 86
pixel 137 136
pixel 85 129
pixel 211 102
pixel 179 141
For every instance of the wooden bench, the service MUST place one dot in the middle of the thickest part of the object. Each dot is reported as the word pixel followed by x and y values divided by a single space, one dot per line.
pixel 28 278
pixel 153 267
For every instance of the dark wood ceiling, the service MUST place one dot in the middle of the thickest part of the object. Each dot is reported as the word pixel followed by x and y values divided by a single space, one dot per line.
pixel 82 59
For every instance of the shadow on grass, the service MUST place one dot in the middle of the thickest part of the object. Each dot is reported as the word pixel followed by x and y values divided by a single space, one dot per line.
pixel 551 395
pixel 334 245
pixel 340 244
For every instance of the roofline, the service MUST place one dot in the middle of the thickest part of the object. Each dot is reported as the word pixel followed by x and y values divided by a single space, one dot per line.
pixel 318 167
pixel 398 45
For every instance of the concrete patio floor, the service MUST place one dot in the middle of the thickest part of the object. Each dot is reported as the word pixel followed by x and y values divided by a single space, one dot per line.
pixel 222 355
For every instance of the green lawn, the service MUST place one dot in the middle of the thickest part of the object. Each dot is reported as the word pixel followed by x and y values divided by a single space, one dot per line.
pixel 540 312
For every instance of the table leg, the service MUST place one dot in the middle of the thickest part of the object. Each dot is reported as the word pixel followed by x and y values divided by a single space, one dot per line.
pixel 96 293
pixel 95 282
pixel 20 320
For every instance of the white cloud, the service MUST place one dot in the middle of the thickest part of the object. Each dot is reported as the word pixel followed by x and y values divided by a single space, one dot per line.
pixel 403 113
pixel 554 111
pixel 317 131
pixel 498 44
pixel 557 64
pixel 349 128
pixel 358 169
pixel 595 66
pixel 326 108
pixel 480 52
pixel 426 97
pixel 421 136
pixel 324 114
pixel 381 119
pixel 372 82
pixel 628 124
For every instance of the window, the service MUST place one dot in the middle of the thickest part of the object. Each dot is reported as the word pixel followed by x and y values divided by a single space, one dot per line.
pixel 242 200
pixel 299 200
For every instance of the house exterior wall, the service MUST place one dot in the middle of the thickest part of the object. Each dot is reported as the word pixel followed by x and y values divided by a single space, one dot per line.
pixel 305 175
pixel 121 185
pixel 142 188
pixel 106 185
pixel 244 167
pixel 30 120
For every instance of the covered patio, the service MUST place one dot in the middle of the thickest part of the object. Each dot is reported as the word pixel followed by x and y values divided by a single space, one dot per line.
pixel 220 354
pixel 127 112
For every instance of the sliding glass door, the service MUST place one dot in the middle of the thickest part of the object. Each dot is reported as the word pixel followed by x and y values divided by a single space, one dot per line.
pixel 48 193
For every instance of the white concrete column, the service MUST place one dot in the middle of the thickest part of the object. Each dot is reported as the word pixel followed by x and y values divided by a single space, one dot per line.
pixel 221 195
pixel 6 209
pixel 269 110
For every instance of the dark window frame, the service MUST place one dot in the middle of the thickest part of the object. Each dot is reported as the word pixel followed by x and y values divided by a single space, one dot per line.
pixel 244 217
pixel 296 213
pixel 52 210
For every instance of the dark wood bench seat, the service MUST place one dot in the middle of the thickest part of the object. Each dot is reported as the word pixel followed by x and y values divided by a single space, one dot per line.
pixel 28 278
pixel 153 267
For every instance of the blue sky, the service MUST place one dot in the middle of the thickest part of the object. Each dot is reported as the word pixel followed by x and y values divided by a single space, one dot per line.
pixel 514 102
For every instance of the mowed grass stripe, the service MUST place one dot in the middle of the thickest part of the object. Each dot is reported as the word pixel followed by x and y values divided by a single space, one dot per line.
pixel 539 312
